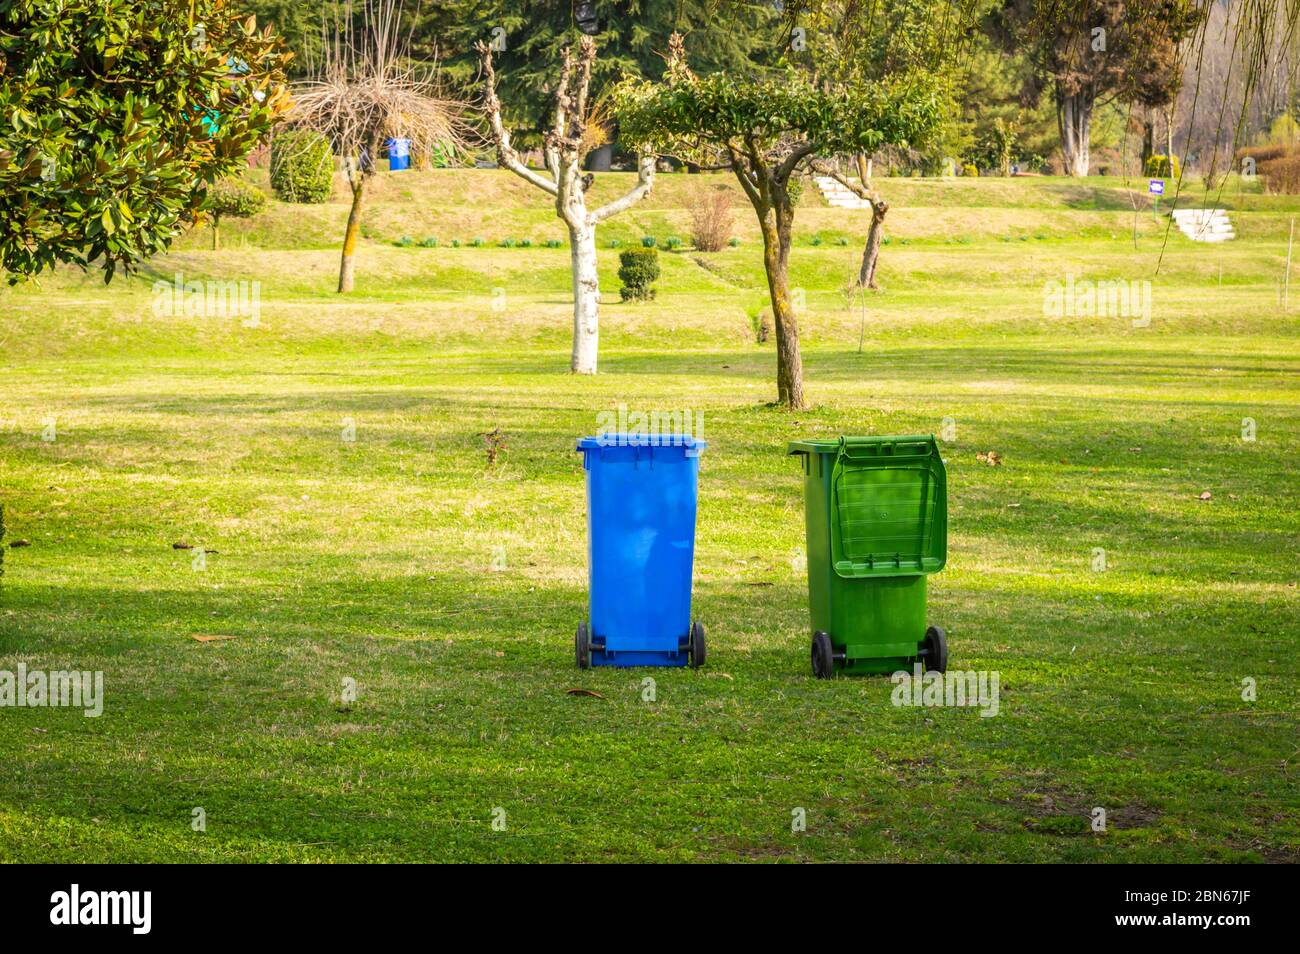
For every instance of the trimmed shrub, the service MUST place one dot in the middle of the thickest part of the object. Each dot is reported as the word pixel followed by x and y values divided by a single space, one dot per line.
pixel 1281 176
pixel 672 242
pixel 554 243
pixel 615 243
pixel 648 241
pixel 734 243
pixel 970 169
pixel 302 166
pixel 1262 153
pixel 405 242
pixel 429 242
pixel 1162 167
pixel 638 271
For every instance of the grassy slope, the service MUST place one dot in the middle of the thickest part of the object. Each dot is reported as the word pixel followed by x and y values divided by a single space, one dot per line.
pixel 370 560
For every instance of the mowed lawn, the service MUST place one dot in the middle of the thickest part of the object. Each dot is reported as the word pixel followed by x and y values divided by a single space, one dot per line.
pixel 377 559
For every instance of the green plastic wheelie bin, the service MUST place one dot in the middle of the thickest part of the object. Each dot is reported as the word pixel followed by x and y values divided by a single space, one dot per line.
pixel 876 510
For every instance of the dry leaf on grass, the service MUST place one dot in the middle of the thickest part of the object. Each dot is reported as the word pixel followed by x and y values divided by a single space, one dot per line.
pixel 992 458
pixel 209 638
pixel 575 691
pixel 1205 496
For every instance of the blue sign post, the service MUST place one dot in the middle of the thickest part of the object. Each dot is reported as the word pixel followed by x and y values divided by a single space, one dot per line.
pixel 1157 188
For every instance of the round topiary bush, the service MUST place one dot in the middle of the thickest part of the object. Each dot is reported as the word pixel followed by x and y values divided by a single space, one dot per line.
pixel 638 271
pixel 302 166
pixel 1162 167
pixel 234 198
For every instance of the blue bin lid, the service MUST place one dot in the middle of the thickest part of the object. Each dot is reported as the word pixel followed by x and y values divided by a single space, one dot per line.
pixel 641 440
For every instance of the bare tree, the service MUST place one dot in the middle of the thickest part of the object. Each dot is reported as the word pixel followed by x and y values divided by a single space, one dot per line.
pixel 365 91
pixel 571 136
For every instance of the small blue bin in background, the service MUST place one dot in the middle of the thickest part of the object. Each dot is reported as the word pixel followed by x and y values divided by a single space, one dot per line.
pixel 641 497
pixel 399 154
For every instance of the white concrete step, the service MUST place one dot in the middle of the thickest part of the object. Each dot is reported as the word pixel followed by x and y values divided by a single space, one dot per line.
pixel 838 195
pixel 1204 225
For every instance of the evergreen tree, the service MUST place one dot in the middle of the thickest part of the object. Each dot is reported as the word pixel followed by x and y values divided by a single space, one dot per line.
pixel 528 39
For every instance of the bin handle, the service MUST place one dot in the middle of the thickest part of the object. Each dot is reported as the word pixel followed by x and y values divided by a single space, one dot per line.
pixel 926 441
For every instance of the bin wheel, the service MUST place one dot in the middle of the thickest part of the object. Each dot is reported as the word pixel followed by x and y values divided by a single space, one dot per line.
pixel 823 660
pixel 697 648
pixel 936 646
pixel 582 646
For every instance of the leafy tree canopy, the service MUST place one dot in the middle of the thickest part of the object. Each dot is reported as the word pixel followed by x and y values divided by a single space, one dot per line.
pixel 722 109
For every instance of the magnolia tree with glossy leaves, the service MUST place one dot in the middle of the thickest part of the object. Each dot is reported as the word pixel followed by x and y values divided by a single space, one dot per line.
pixel 572 134
pixel 118 116
pixel 769 130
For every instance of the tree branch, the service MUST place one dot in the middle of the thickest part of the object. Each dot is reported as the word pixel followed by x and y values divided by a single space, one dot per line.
pixel 801 151
pixel 587 57
pixel 506 153
pixel 645 182
pixel 561 90
pixel 738 166
pixel 762 178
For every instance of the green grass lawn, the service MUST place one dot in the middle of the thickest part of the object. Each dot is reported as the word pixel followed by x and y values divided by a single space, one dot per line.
pixel 372 559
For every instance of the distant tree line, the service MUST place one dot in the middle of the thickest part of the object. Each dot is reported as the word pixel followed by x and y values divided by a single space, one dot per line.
pixel 1071 86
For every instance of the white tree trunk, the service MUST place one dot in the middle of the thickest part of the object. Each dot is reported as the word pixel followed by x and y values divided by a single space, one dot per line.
pixel 565 148
pixel 586 299
pixel 1074 122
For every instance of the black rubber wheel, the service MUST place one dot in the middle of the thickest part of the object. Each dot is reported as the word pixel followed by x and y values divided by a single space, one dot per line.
pixel 823 662
pixel 582 647
pixel 936 645
pixel 698 651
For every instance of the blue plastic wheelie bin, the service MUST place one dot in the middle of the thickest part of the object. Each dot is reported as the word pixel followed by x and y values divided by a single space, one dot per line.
pixel 641 500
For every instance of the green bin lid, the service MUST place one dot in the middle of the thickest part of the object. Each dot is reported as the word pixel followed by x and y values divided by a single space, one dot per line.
pixel 888 503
